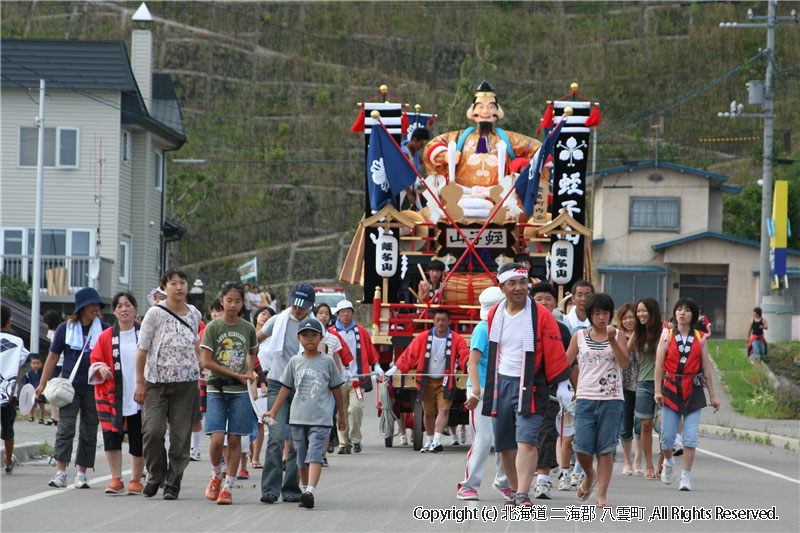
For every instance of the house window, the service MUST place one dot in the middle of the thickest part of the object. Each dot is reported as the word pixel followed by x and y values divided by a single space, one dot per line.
pixel 61 147
pixel 655 214
pixel 124 261
pixel 630 287
pixel 159 170
pixel 127 146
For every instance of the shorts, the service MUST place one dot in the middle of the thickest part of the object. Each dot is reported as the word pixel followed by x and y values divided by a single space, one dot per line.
pixel 433 397
pixel 309 442
pixel 231 410
pixel 548 436
pixel 645 402
pixel 112 440
pixel 597 426
pixel 511 427
pixel 8 413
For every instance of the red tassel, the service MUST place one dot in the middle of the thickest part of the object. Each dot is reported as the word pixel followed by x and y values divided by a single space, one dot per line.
pixel 594 118
pixel 547 120
pixel 430 122
pixel 358 125
pixel 404 124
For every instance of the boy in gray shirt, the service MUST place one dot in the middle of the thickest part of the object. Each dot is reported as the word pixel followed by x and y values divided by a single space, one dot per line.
pixel 312 375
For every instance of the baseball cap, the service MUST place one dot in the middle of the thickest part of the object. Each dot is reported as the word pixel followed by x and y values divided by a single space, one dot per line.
pixel 312 324
pixel 488 298
pixel 302 295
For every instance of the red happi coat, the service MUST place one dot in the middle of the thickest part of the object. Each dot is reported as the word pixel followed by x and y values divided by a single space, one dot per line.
pixel 417 356
pixel 108 394
pixel 683 380
pixel 366 355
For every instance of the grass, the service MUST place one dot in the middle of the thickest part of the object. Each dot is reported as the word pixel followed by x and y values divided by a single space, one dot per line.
pixel 750 392
pixel 47 449
pixel 781 360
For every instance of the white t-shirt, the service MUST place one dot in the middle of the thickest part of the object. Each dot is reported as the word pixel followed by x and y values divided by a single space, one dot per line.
pixel 510 351
pixel 574 323
pixel 349 337
pixel 127 355
pixel 436 366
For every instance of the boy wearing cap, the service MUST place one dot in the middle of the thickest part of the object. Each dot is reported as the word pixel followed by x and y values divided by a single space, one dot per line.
pixel 364 356
pixel 283 344
pixel 310 377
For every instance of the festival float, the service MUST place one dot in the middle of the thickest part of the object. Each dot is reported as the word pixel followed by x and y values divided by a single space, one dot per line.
pixel 485 196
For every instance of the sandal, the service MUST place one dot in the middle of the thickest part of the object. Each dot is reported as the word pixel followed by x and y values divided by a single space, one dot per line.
pixel 583 496
pixel 30 419
pixel 41 420
pixel 256 466
pixel 600 504
pixel 522 500
pixel 650 473
pixel 627 471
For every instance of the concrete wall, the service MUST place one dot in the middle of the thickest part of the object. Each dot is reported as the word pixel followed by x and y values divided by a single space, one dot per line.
pixel 612 213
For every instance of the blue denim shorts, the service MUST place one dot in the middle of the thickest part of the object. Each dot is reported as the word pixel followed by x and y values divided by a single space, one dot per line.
pixel 645 403
pixel 229 412
pixel 511 427
pixel 597 426
pixel 309 441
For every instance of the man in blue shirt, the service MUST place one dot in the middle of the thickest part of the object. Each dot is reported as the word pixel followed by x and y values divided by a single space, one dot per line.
pixel 481 426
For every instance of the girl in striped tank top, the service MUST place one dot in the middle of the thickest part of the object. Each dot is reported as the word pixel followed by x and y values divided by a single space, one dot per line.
pixel 602 354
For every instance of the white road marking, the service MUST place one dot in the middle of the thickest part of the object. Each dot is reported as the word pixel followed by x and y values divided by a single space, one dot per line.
pixel 752 467
pixel 52 492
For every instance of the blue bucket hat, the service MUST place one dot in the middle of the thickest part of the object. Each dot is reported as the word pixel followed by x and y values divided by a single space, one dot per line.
pixel 86 296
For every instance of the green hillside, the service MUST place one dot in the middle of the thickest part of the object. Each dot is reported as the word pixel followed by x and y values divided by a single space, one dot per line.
pixel 269 90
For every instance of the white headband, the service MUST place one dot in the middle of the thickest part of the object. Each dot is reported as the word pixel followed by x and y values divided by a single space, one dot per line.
pixel 508 274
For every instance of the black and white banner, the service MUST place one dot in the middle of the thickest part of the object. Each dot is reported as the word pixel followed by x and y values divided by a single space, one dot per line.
pixel 569 186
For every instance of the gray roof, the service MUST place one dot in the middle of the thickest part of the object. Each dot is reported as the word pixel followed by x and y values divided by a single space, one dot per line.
pixel 91 65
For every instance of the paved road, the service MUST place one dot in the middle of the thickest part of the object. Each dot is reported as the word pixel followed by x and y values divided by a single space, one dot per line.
pixel 379 490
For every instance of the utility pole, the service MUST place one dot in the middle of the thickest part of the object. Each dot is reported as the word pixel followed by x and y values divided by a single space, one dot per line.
pixel 36 289
pixel 770 21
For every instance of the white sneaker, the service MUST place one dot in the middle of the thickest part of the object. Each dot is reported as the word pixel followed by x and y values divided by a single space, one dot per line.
pixel 666 473
pixel 427 448
pixel 576 478
pixel 686 483
pixel 404 440
pixel 542 491
pixel 462 435
pixel 59 481
pixel 194 454
pixel 564 482
pixel 81 482
pixel 455 440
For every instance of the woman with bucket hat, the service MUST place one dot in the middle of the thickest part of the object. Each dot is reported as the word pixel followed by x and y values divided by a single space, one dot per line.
pixel 75 339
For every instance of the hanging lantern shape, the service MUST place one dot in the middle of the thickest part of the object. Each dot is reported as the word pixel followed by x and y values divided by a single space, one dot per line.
pixel 562 260
pixel 386 255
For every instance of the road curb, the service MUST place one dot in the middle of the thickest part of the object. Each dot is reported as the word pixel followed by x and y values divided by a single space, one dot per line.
pixel 760 437
pixel 24 450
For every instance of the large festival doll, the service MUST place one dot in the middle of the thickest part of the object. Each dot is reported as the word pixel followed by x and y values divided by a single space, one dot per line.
pixel 476 147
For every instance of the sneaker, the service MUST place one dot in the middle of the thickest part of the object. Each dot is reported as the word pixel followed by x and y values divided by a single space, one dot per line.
pixel 134 488
pixel 666 473
pixel 686 483
pixel 404 440
pixel 565 481
pixel 331 446
pixel 81 482
pixel 115 487
pixel 10 466
pixel 427 448
pixel 243 474
pixel 508 494
pixel 542 491
pixel 356 449
pixel 269 498
pixel 170 493
pixel 224 497
pixel 467 494
pixel 212 491
pixel 59 481
pixel 324 461
pixel 307 500
pixel 462 435
pixel 194 454
pixel 576 478
pixel 150 490
pixel 344 450
pixel 437 448
pixel 677 450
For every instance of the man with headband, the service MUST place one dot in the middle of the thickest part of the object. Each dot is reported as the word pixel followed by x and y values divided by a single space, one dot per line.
pixel 525 356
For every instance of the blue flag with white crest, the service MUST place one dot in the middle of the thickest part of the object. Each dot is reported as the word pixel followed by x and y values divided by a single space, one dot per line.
pixel 388 170
pixel 527 183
